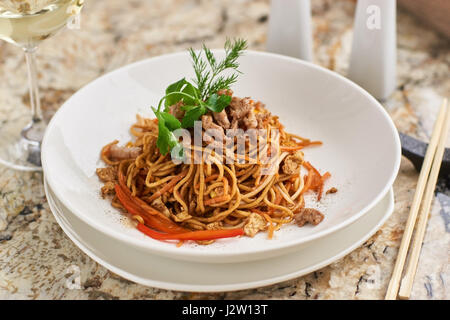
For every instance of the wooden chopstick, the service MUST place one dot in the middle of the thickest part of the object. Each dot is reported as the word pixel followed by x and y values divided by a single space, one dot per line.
pixel 394 284
pixel 408 279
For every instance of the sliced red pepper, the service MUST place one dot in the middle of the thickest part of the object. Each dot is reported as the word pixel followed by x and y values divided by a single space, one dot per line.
pixel 139 202
pixel 192 235
pixel 152 221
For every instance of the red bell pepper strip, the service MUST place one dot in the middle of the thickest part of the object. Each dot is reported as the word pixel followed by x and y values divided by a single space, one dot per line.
pixel 151 220
pixel 192 235
pixel 139 202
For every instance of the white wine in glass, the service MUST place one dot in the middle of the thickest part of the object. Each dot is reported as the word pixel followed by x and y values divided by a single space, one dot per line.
pixel 25 23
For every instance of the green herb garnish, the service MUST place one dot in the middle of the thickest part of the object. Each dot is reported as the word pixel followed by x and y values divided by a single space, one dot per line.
pixel 209 81
pixel 198 99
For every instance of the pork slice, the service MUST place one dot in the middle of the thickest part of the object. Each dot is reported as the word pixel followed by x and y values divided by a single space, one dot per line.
pixel 240 107
pixel 309 215
pixel 261 118
pixel 255 223
pixel 107 189
pixel 214 225
pixel 176 111
pixel 123 153
pixel 107 174
pixel 292 163
pixel 242 110
pixel 250 120
pixel 208 124
pixel 222 119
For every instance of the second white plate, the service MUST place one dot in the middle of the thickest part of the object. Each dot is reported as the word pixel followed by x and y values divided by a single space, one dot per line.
pixel 361 146
pixel 157 271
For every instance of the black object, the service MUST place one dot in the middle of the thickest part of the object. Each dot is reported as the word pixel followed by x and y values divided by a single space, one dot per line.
pixel 415 150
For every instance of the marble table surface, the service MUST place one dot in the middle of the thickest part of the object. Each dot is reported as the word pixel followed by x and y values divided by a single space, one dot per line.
pixel 37 258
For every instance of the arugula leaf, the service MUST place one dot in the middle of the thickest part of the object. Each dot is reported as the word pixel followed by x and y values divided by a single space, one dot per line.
pixel 176 86
pixel 191 90
pixel 187 108
pixel 180 90
pixel 171 122
pixel 192 115
pixel 217 103
pixel 166 138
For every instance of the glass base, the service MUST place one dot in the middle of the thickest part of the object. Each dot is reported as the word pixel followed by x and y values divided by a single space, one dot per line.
pixel 21 149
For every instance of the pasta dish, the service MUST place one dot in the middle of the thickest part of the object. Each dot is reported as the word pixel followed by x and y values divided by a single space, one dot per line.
pixel 227 185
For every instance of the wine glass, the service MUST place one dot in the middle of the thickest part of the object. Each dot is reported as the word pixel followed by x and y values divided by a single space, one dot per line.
pixel 25 23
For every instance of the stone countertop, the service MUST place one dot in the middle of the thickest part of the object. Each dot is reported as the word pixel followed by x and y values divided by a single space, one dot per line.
pixel 35 255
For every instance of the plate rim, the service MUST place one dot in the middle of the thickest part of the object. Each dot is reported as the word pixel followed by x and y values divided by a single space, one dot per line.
pixel 220 287
pixel 190 254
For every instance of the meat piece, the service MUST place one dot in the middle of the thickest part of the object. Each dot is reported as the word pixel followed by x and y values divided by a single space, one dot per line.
pixel 176 111
pixel 208 124
pixel 309 215
pixel 107 174
pixel 240 107
pixel 292 163
pixel 255 223
pixel 107 189
pixel 331 190
pixel 261 118
pixel 242 110
pixel 250 121
pixel 228 92
pixel 117 153
pixel 214 225
pixel 234 124
pixel 222 119
pixel 161 207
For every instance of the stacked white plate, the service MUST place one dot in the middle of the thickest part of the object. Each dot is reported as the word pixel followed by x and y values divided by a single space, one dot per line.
pixel 361 149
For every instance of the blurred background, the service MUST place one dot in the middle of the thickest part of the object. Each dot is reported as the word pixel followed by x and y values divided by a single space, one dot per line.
pixel 113 33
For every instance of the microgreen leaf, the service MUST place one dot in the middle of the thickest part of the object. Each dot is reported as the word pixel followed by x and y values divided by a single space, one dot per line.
pixel 176 86
pixel 180 90
pixel 191 90
pixel 217 103
pixel 166 138
pixel 192 115
pixel 171 122
pixel 187 108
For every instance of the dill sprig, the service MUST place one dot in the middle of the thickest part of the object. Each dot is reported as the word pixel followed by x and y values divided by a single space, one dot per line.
pixel 207 73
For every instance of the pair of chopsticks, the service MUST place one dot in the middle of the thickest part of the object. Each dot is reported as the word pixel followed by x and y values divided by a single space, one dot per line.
pixel 425 190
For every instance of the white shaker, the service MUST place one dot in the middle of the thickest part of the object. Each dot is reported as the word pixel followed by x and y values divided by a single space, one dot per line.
pixel 290 28
pixel 374 48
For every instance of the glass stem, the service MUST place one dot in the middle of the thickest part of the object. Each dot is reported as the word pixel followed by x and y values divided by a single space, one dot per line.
pixel 35 102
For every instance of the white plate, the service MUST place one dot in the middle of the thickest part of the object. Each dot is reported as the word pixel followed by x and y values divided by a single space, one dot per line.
pixel 361 145
pixel 157 271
